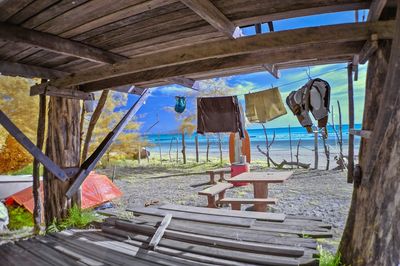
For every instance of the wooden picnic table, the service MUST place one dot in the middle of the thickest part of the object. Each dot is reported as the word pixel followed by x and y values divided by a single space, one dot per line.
pixel 260 181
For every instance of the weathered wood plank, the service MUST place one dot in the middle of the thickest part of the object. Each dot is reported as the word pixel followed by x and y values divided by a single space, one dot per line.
pixel 228 232
pixel 31 148
pixel 225 48
pixel 216 252
pixel 65 93
pixel 29 71
pixel 276 217
pixel 211 14
pixel 218 241
pixel 160 231
pixel 210 67
pixel 56 44
pixel 233 221
pixel 10 7
pixel 90 163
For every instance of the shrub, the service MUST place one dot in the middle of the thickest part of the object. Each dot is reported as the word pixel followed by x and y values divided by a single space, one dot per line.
pixel 19 217
pixel 327 258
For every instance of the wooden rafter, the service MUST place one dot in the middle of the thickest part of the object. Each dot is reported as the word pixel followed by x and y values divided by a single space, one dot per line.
pixel 29 71
pixel 211 67
pixel 211 14
pixel 56 44
pixel 273 42
pixel 375 10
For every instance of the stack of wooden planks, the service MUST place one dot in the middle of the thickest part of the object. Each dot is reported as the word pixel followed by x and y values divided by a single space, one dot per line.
pixel 194 236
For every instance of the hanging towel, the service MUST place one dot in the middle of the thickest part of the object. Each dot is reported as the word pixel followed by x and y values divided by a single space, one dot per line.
pixel 219 115
pixel 264 106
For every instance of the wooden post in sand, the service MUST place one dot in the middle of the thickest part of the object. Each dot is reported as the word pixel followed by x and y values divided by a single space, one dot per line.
pixel 290 143
pixel 315 149
pixel 196 139
pixel 350 166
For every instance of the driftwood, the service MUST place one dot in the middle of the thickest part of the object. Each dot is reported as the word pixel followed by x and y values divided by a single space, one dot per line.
pixel 297 152
pixel 290 144
pixel 267 146
pixel 284 162
pixel 339 139
pixel 327 152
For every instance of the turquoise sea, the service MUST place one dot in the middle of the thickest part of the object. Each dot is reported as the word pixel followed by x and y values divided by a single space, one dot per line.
pixel 279 150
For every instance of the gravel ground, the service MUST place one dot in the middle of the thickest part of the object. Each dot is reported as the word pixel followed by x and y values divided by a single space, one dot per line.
pixel 324 194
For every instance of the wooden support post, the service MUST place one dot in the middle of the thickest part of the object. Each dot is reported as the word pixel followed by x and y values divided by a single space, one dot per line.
pixel 63 148
pixel 356 59
pixel 350 167
pixel 315 149
pixel 196 140
pixel 31 148
pixel 290 143
pixel 91 162
pixel 37 201
pixel 160 231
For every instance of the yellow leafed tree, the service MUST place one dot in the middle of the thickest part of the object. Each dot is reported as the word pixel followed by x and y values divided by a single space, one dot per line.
pixel 22 109
pixel 127 143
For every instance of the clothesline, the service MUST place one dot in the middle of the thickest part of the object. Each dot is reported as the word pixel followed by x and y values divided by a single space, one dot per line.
pixel 272 85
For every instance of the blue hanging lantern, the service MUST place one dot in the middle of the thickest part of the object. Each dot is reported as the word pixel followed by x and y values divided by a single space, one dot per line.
pixel 180 104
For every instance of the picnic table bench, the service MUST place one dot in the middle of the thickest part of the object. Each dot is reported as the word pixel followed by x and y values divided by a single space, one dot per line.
pixel 260 181
pixel 220 171
pixel 212 192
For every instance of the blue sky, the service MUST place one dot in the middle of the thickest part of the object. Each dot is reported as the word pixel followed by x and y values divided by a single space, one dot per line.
pixel 291 79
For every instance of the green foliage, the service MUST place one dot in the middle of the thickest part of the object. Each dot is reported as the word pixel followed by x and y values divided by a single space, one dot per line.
pixel 77 218
pixel 19 218
pixel 327 258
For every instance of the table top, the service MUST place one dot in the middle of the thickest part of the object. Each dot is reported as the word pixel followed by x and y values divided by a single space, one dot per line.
pixel 269 177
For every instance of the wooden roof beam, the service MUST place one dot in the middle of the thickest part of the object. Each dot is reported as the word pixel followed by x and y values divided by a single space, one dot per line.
pixel 209 66
pixel 274 42
pixel 56 44
pixel 29 71
pixel 375 10
pixel 211 14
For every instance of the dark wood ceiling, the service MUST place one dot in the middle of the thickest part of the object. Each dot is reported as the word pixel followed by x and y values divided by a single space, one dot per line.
pixel 103 32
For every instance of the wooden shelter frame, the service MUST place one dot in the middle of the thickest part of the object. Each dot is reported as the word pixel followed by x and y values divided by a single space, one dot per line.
pixel 85 46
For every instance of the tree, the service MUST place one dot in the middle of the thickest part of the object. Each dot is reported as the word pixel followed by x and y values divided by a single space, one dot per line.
pixel 22 109
pixel 128 142
pixel 187 126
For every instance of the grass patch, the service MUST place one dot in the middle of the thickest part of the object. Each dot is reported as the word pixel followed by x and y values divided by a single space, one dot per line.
pixel 77 218
pixel 327 258
pixel 19 218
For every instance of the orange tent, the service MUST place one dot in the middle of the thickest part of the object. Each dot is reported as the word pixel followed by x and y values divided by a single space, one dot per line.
pixel 96 189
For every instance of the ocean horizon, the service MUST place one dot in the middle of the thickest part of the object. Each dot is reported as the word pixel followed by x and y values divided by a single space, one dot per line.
pixel 280 149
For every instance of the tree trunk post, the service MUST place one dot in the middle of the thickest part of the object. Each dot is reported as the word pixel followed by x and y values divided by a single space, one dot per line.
pixel 371 235
pixel 37 201
pixel 350 166
pixel 196 140
pixel 63 148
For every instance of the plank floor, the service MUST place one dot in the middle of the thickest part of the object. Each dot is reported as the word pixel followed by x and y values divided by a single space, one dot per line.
pixel 205 239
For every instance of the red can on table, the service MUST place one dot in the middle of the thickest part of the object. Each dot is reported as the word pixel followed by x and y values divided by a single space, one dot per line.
pixel 237 169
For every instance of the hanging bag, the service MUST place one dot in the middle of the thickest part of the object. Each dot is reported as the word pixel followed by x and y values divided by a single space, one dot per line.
pixel 180 104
